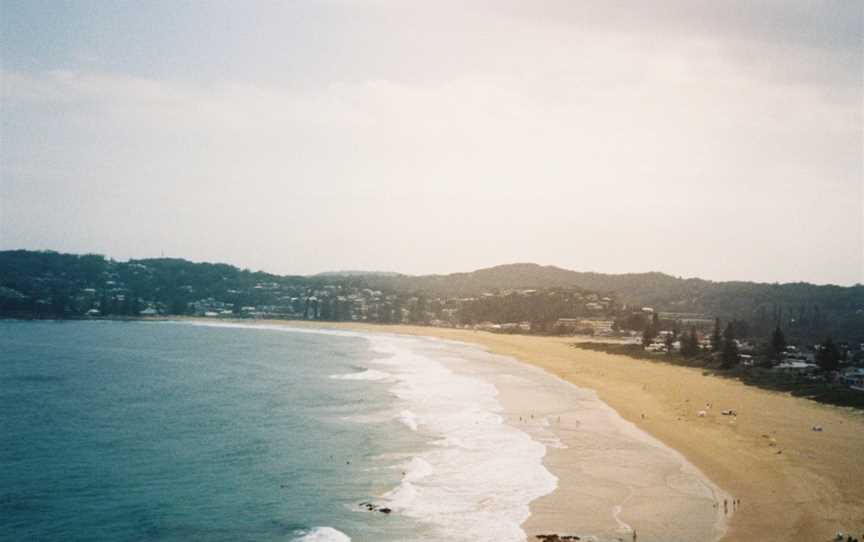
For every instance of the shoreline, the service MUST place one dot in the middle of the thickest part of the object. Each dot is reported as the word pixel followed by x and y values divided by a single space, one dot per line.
pixel 613 478
pixel 563 462
pixel 792 483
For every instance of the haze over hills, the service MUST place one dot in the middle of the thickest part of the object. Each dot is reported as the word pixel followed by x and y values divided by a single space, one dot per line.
pixel 806 309
pixel 798 305
pixel 654 288
pixel 355 273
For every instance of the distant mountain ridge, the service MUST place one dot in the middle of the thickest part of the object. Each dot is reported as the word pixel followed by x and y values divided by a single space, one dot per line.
pixel 810 309
pixel 792 304
pixel 357 273
pixel 531 275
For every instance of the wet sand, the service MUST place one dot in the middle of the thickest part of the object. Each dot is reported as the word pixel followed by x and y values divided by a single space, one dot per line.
pixel 614 478
pixel 792 483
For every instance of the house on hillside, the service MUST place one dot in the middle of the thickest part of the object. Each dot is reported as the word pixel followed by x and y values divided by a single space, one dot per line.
pixel 797 367
pixel 597 326
pixel 854 378
pixel 564 325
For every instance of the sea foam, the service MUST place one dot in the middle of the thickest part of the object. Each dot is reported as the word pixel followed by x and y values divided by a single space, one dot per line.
pixel 477 478
pixel 369 374
pixel 478 475
pixel 323 534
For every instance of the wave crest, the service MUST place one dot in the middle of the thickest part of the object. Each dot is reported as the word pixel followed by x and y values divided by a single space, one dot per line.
pixel 323 534
pixel 369 374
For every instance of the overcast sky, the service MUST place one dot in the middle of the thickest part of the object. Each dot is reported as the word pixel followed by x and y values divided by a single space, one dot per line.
pixel 713 139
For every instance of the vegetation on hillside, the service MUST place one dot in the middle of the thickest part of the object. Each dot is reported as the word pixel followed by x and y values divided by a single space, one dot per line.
pixel 805 310
pixel 43 284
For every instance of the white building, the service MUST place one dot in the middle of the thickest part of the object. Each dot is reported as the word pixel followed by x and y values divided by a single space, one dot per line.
pixel 854 378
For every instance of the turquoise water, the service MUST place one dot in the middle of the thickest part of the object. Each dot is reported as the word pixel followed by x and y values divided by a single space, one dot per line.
pixel 152 431
pixel 216 431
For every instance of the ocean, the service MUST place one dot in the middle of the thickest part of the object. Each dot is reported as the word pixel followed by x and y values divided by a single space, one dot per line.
pixel 176 431
pixel 231 431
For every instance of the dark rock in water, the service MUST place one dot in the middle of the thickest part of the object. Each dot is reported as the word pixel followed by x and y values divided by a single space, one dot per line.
pixel 557 537
pixel 374 507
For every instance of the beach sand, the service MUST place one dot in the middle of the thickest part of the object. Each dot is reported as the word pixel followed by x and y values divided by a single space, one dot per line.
pixel 614 478
pixel 793 483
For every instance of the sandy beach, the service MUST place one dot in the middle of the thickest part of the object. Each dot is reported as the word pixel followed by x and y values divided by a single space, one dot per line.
pixel 614 480
pixel 793 483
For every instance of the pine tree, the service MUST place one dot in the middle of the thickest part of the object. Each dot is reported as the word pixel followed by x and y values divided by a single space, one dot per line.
pixel 778 344
pixel 828 357
pixel 134 305
pixel 715 337
pixel 694 341
pixel 418 312
pixel 689 343
pixel 730 347
pixel 650 330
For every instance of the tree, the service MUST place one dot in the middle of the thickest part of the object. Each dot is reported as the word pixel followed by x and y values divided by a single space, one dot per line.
pixel 104 304
pixel 715 337
pixel 326 305
pixel 59 302
pixel 729 332
pixel 384 313
pixel 396 312
pixel 91 267
pixel 418 311
pixel 178 305
pixel 670 341
pixel 742 328
pixel 689 343
pixel 730 347
pixel 650 331
pixel 134 305
pixel 827 356
pixel 648 336
pixel 778 344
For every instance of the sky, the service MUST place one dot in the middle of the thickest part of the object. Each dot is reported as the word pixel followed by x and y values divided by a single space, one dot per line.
pixel 699 138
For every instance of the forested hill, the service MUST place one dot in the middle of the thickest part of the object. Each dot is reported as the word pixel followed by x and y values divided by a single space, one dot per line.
pixel 41 282
pixel 664 291
pixel 38 282
pixel 799 305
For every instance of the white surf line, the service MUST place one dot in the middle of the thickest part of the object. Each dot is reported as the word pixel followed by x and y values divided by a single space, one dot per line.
pixel 616 513
pixel 721 518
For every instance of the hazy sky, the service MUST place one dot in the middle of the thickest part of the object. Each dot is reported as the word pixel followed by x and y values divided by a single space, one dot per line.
pixel 712 139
